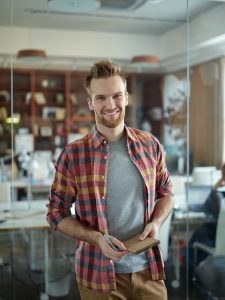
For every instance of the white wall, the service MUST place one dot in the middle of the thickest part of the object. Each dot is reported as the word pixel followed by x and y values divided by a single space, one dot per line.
pixel 78 43
pixel 207 41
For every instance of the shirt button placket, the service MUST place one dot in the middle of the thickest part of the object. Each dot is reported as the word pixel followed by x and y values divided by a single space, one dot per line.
pixel 105 158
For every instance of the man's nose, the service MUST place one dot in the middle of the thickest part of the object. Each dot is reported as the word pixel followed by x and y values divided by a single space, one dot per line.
pixel 110 103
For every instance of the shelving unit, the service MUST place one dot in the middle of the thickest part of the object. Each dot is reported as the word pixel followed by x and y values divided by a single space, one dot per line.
pixel 52 106
pixel 21 82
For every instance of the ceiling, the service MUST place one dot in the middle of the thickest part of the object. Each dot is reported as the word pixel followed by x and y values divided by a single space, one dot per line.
pixel 140 17
pixel 148 17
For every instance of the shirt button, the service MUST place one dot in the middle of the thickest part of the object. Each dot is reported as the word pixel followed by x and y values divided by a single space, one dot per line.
pixel 103 177
pixel 105 157
pixel 102 197
pixel 111 262
pixel 105 142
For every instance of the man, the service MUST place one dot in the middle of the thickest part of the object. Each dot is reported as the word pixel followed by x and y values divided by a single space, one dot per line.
pixel 114 175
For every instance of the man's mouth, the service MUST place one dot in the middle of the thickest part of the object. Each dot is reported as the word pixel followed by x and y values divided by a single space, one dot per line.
pixel 111 113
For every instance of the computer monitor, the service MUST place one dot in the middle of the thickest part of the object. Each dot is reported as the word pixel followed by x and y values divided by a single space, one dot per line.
pixel 197 196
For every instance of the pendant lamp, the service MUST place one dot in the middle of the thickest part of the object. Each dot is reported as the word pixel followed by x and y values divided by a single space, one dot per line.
pixel 145 60
pixel 31 55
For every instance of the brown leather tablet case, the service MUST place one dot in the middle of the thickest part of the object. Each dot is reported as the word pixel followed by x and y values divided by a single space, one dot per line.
pixel 136 246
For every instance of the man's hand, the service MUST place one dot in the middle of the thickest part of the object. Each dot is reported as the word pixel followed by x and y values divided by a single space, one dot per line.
pixel 107 246
pixel 151 229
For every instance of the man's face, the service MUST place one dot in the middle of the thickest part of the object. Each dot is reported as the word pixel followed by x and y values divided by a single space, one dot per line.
pixel 108 99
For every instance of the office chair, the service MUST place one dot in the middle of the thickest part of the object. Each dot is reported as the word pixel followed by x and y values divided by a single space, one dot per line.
pixel 209 274
pixel 219 249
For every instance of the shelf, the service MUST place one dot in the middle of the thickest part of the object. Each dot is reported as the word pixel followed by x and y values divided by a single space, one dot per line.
pixel 69 86
pixel 87 118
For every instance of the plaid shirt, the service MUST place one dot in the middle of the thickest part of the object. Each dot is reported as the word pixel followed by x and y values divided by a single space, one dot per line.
pixel 81 177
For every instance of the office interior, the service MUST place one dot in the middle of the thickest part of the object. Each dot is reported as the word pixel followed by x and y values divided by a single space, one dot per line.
pixel 173 55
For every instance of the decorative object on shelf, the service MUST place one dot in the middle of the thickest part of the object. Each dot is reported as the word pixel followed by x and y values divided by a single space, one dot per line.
pixel 4 96
pixel 60 129
pixel 73 99
pixel 84 130
pixel 49 112
pixel 31 55
pixel 155 113
pixel 60 114
pixel 28 98
pixel 44 83
pixel 24 143
pixel 40 98
pixel 3 114
pixel 59 98
pixel 146 126
pixel 23 130
pixel 14 119
pixel 45 131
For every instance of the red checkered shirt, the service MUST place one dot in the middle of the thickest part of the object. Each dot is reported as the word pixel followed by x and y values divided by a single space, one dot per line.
pixel 81 177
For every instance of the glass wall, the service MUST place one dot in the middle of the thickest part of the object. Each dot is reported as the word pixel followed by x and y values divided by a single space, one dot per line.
pixel 178 96
pixel 207 155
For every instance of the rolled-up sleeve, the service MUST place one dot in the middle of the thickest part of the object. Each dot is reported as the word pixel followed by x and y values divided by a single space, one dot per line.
pixel 163 182
pixel 63 190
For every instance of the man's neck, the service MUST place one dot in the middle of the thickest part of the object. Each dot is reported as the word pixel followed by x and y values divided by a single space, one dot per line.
pixel 111 134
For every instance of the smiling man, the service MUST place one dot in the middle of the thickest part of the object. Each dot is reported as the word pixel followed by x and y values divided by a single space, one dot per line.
pixel 118 180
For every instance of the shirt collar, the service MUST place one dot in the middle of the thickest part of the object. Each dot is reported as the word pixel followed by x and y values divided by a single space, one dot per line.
pixel 98 138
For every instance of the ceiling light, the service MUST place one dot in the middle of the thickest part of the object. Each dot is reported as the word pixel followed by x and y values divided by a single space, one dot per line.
pixel 145 60
pixel 154 1
pixel 31 55
pixel 73 5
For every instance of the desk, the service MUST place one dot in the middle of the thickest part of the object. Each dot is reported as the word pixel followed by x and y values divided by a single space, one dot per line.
pixel 33 219
pixel 30 186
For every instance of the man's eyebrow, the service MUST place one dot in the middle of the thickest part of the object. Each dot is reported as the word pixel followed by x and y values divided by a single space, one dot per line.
pixel 100 95
pixel 120 92
pixel 103 95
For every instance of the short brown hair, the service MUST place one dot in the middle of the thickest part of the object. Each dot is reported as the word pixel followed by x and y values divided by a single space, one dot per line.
pixel 104 69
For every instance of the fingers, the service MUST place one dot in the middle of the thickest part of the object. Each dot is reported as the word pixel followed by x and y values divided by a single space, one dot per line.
pixel 150 230
pixel 113 248
pixel 118 243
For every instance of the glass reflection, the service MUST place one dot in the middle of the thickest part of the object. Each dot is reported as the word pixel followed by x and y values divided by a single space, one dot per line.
pixel 49 111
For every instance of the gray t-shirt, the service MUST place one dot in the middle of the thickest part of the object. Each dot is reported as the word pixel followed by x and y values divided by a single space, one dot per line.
pixel 125 203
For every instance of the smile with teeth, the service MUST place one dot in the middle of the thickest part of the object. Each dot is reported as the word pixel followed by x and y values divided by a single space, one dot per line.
pixel 111 113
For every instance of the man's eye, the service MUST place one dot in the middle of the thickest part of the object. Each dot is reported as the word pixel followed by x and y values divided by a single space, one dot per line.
pixel 101 98
pixel 117 96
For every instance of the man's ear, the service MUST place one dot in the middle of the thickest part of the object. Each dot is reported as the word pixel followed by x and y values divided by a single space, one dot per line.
pixel 126 95
pixel 89 101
